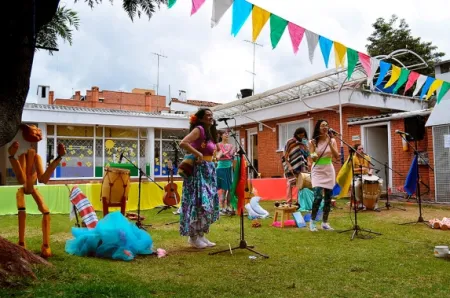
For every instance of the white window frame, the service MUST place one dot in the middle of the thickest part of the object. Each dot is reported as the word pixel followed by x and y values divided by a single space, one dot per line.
pixel 287 136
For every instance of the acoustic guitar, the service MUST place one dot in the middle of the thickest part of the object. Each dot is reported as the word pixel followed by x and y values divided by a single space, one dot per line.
pixel 171 195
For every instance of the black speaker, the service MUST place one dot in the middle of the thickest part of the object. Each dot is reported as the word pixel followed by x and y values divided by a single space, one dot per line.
pixel 246 92
pixel 415 126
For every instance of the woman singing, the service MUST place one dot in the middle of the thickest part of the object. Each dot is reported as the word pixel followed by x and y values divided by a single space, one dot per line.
pixel 200 201
pixel 323 149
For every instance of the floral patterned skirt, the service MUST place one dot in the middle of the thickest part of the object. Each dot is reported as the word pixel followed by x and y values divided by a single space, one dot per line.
pixel 200 201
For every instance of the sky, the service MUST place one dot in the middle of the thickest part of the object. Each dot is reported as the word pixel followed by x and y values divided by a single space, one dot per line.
pixel 114 53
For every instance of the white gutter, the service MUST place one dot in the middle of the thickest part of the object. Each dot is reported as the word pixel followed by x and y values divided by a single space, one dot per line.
pixel 393 117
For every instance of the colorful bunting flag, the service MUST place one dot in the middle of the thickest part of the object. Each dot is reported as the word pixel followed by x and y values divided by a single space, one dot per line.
pixel 395 74
pixel 325 46
pixel 365 62
pixel 196 4
pixel 241 11
pixel 374 63
pixel 339 53
pixel 296 32
pixel 384 68
pixel 259 19
pixel 404 74
pixel 352 57
pixel 444 89
pixel 413 76
pixel 277 27
pixel 420 81
pixel 313 40
pixel 218 10
pixel 426 86
pixel 411 179
pixel 343 180
pixel 171 3
pixel 436 84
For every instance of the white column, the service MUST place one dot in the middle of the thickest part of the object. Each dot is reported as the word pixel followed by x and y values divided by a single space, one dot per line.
pixel 42 145
pixel 150 151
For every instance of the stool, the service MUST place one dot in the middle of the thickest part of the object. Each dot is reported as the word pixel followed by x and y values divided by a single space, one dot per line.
pixel 285 213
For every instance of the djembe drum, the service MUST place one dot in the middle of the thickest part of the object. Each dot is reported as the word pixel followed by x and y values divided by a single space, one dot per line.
pixel 115 187
pixel 371 191
pixel 304 181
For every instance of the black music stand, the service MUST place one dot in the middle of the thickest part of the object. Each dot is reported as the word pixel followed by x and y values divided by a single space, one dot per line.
pixel 242 243
pixel 419 198
pixel 139 223
pixel 356 228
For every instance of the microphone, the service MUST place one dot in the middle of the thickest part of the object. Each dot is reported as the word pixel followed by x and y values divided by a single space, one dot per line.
pixel 121 157
pixel 330 130
pixel 401 132
pixel 224 119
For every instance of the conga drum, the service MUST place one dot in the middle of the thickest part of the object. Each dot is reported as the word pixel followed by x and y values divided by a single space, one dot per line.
pixel 304 181
pixel 115 187
pixel 371 191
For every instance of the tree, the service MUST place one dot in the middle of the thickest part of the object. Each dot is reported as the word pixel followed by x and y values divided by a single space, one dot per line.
pixel 395 34
pixel 22 24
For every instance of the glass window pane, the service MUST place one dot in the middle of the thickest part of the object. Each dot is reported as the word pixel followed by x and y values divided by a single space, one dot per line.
pixel 99 131
pixel 98 158
pixel 75 131
pixel 117 132
pixel 157 133
pixel 174 134
pixel 78 161
pixel 113 149
pixel 50 130
pixel 157 164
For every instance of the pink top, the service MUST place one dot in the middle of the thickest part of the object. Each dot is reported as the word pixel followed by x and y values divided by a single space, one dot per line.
pixel 227 151
pixel 323 175
pixel 204 147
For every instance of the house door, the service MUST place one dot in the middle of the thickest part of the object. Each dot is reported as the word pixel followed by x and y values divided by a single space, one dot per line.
pixel 252 149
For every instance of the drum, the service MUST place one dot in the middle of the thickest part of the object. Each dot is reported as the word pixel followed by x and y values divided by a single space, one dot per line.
pixel 304 181
pixel 371 191
pixel 115 187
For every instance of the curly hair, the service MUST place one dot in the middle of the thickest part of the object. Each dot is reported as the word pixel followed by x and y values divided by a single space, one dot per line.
pixel 211 133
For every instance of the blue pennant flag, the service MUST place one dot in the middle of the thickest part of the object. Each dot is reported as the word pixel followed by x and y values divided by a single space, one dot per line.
pixel 384 68
pixel 411 180
pixel 241 11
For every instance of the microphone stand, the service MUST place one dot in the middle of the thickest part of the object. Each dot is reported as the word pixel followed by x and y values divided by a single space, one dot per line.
pixel 386 167
pixel 141 174
pixel 356 228
pixel 242 243
pixel 419 198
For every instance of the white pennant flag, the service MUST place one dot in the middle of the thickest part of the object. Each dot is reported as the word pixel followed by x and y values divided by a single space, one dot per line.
pixel 419 83
pixel 374 64
pixel 313 40
pixel 218 10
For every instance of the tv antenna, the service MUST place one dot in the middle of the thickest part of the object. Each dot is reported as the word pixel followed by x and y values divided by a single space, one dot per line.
pixel 254 54
pixel 157 82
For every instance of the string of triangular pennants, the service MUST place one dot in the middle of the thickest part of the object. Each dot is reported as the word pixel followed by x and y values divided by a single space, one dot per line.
pixel 241 10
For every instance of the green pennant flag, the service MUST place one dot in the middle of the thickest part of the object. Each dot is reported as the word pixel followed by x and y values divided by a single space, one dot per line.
pixel 444 89
pixel 404 74
pixel 352 57
pixel 171 3
pixel 277 27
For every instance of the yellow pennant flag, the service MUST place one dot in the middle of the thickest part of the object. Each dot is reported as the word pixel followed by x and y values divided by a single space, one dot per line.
pixel 394 76
pixel 259 19
pixel 436 84
pixel 339 51
pixel 343 180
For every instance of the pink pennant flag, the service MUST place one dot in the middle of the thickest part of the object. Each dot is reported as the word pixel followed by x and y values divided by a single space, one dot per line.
pixel 296 32
pixel 365 61
pixel 196 4
pixel 413 76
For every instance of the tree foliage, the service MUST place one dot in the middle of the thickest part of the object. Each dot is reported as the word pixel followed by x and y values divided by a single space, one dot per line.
pixel 395 34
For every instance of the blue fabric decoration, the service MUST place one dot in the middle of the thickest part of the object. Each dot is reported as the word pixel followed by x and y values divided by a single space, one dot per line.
pixel 325 46
pixel 241 11
pixel 426 86
pixel 411 179
pixel 384 68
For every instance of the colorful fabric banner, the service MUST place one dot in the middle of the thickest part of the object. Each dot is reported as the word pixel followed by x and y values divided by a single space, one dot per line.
pixel 196 4
pixel 241 186
pixel 426 86
pixel 171 3
pixel 277 27
pixel 339 54
pixel 325 45
pixel 259 19
pixel 420 81
pixel 365 62
pixel 343 180
pixel 395 74
pixel 218 10
pixel 352 57
pixel 241 11
pixel 444 89
pixel 236 174
pixel 404 74
pixel 374 63
pixel 411 179
pixel 436 84
pixel 384 68
pixel 312 39
pixel 412 78
pixel 296 32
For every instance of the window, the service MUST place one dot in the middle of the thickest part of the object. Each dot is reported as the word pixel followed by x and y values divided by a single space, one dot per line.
pixel 445 68
pixel 166 141
pixel 286 131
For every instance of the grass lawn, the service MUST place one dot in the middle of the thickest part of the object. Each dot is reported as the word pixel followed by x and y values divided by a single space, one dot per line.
pixel 399 263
